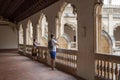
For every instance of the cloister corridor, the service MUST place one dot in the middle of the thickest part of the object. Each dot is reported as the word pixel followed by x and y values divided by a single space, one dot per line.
pixel 14 66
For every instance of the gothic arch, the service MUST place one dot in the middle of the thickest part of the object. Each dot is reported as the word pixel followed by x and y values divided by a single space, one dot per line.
pixel 20 34
pixel 42 30
pixel 29 33
pixel 117 33
pixel 68 10
pixel 107 42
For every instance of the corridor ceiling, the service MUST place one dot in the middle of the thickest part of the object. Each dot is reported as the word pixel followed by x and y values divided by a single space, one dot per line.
pixel 17 10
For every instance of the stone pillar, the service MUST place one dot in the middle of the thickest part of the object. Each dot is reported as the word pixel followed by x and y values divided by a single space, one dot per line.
pixel 24 36
pixel 86 60
pixel 34 20
pixel 34 30
pixel 51 29
pixel 18 28
pixel 99 29
pixel 110 24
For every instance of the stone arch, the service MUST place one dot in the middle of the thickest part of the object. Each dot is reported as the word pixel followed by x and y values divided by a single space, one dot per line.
pixel 107 43
pixel 29 33
pixel 61 23
pixel 117 37
pixel 41 36
pixel 117 33
pixel 20 34
pixel 69 29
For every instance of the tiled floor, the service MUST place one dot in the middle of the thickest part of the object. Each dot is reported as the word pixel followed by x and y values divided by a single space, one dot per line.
pixel 16 67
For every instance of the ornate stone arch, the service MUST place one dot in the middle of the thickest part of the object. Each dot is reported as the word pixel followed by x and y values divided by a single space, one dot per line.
pixel 61 24
pixel 29 33
pixel 20 34
pixel 41 36
pixel 116 32
pixel 107 42
pixel 59 17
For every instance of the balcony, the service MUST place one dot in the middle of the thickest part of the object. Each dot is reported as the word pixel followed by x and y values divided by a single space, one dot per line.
pixel 107 67
pixel 66 59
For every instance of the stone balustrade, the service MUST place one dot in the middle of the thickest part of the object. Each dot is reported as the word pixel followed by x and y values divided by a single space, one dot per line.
pixel 107 67
pixel 28 49
pixel 21 48
pixel 66 59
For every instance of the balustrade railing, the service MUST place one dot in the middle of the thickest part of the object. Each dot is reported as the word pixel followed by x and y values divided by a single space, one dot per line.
pixel 107 67
pixel 42 54
pixel 20 48
pixel 29 49
pixel 67 60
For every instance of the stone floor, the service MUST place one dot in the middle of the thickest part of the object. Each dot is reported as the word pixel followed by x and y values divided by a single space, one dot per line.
pixel 16 67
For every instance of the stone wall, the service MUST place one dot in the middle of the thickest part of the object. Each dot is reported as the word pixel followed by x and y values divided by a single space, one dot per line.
pixel 8 37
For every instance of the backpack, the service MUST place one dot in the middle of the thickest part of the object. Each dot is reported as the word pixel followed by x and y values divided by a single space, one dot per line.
pixel 50 45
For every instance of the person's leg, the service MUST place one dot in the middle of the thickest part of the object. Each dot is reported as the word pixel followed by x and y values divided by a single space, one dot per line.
pixel 53 60
pixel 52 53
pixel 53 63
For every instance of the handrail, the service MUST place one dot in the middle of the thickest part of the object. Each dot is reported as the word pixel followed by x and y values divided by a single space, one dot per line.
pixel 21 48
pixel 108 57
pixel 66 59
pixel 107 66
pixel 74 52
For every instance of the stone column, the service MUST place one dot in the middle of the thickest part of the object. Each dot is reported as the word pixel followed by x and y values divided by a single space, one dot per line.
pixel 34 20
pixel 51 29
pixel 18 29
pixel 110 24
pixel 24 36
pixel 99 29
pixel 86 51
pixel 35 30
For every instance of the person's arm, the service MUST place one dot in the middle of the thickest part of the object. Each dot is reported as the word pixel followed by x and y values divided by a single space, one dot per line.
pixel 56 42
pixel 36 43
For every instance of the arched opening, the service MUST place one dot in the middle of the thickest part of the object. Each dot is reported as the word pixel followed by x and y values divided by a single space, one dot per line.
pixel 42 30
pixel 106 42
pixel 29 33
pixel 67 27
pixel 105 19
pixel 117 37
pixel 20 34
pixel 117 33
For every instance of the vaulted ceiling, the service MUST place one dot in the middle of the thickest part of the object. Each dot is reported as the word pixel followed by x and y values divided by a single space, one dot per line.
pixel 17 10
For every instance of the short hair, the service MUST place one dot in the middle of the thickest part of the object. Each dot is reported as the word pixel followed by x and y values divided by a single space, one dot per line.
pixel 52 35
